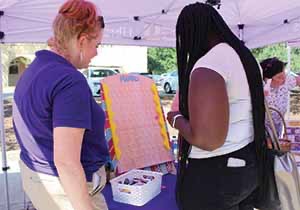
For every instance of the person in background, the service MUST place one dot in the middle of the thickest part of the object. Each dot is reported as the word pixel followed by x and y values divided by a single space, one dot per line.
pixel 58 124
pixel 221 114
pixel 278 84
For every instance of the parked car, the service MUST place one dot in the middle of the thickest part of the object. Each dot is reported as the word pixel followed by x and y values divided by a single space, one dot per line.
pixel 146 74
pixel 94 75
pixel 156 79
pixel 169 82
pixel 161 79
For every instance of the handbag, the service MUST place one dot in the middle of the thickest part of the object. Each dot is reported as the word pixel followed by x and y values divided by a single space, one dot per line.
pixel 285 176
pixel 284 142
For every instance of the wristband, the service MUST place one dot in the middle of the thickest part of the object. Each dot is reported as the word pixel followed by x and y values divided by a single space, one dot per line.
pixel 175 118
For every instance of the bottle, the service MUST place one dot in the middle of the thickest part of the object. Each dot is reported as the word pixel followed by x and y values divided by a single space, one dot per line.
pixel 174 142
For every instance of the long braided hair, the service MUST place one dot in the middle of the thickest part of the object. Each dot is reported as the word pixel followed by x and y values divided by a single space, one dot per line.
pixel 196 24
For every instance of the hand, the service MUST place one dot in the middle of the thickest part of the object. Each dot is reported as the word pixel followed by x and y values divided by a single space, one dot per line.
pixel 171 115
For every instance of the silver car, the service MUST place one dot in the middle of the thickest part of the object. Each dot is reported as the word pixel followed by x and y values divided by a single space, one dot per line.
pixel 170 82
pixel 94 75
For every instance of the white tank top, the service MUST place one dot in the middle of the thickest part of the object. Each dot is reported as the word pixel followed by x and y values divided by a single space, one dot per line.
pixel 225 61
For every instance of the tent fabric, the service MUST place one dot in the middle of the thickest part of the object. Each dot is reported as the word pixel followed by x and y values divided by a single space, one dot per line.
pixel 152 23
pixel 294 43
pixel 6 3
pixel 29 21
pixel 263 21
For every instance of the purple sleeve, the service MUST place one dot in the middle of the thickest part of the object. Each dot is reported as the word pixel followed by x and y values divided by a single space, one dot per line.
pixel 72 103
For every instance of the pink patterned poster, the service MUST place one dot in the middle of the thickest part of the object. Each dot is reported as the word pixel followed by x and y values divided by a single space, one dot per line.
pixel 136 130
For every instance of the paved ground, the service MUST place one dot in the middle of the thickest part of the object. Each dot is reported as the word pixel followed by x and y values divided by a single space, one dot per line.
pixel 17 198
pixel 8 92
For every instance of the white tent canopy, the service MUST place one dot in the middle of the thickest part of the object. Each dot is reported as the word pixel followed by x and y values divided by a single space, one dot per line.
pixel 152 23
pixel 148 23
pixel 265 21
pixel 294 43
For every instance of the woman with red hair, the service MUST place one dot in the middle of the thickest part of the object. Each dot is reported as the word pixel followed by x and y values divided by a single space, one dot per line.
pixel 58 124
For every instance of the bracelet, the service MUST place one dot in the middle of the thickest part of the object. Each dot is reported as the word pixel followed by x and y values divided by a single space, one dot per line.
pixel 175 118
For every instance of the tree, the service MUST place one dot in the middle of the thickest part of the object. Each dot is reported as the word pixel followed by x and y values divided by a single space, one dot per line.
pixel 161 60
pixel 280 51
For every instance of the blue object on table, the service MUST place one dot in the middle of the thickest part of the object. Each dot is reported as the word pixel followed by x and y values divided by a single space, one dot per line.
pixel 174 143
pixel 163 201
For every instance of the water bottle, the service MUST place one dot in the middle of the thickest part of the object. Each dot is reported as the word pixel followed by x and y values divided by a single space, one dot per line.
pixel 174 142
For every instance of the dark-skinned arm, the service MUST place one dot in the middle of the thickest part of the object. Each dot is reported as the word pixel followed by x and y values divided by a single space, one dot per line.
pixel 208 111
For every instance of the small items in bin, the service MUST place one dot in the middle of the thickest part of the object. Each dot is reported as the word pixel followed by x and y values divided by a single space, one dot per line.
pixel 137 181
pixel 148 177
pixel 136 187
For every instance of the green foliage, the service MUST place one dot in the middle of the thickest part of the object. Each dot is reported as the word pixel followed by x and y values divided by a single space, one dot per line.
pixel 161 60
pixel 280 51
pixel 23 60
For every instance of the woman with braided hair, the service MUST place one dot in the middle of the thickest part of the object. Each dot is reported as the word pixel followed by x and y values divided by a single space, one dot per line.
pixel 221 114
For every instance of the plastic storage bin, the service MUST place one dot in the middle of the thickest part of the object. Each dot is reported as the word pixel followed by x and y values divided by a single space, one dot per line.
pixel 134 194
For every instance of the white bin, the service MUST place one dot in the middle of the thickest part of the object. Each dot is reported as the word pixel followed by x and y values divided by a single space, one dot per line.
pixel 136 195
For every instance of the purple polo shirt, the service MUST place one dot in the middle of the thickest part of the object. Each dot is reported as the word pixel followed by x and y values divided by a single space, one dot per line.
pixel 53 93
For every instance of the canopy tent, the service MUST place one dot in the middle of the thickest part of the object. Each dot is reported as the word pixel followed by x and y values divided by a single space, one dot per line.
pixel 294 43
pixel 148 23
pixel 152 23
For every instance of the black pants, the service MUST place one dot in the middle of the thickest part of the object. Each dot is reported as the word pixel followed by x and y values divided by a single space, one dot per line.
pixel 209 184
